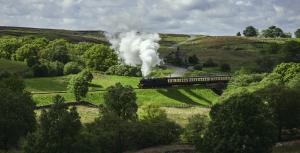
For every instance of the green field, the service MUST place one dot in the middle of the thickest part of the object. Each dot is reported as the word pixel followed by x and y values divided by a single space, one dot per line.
pixel 44 89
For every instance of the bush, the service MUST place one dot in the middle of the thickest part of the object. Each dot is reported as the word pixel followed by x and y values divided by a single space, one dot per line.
pixel 17 117
pixel 56 50
pixel 250 31
pixel 40 70
pixel 72 68
pixel 110 133
pixel 240 123
pixel 121 100
pixel 210 63
pixel 297 33
pixel 79 84
pixel 198 67
pixel 47 68
pixel 87 75
pixel 55 68
pixel 195 129
pixel 124 70
pixel 58 132
pixel 225 67
pixel 193 59
pixel 100 57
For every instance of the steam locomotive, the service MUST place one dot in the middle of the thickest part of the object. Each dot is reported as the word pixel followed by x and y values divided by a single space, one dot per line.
pixel 206 80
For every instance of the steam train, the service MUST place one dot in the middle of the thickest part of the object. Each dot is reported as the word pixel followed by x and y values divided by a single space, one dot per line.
pixel 206 80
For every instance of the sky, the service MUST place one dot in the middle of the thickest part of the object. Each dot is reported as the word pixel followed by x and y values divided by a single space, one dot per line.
pixel 209 17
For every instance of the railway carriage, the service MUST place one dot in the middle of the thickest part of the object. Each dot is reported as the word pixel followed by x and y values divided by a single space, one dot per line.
pixel 183 81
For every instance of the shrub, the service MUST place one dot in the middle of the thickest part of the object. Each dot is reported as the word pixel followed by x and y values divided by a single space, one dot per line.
pixel 40 70
pixel 297 33
pixel 47 68
pixel 79 85
pixel 100 57
pixel 56 50
pixel 240 123
pixel 72 68
pixel 124 70
pixel 111 133
pixel 55 68
pixel 17 117
pixel 87 75
pixel 193 59
pixel 225 67
pixel 250 31
pixel 209 63
pixel 121 100
pixel 195 129
pixel 58 131
pixel 198 67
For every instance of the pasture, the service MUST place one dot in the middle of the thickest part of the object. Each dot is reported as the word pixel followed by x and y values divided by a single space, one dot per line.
pixel 43 89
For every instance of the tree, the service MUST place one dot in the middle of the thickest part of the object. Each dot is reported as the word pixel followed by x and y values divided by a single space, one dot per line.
pixel 79 86
pixel 297 33
pixel 113 134
pixel 121 100
pixel 275 32
pixel 265 64
pixel 209 63
pixel 291 51
pixel 285 105
pixel 72 68
pixel 225 67
pixel 124 70
pixel 17 117
pixel 56 50
pixel 239 34
pixel 25 52
pixel 40 70
pixel 287 71
pixel 100 57
pixel 250 31
pixel 87 75
pixel 58 131
pixel 193 59
pixel 8 47
pixel 240 123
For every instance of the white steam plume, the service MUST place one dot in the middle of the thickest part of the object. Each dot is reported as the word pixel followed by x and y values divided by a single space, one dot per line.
pixel 134 48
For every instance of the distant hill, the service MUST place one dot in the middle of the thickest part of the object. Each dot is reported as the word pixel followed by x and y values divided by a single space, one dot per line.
pixel 236 51
pixel 72 36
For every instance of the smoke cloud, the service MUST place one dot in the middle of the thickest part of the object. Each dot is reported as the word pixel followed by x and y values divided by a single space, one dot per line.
pixel 135 48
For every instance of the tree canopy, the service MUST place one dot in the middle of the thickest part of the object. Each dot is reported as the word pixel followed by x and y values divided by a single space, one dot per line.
pixel 58 130
pixel 274 32
pixel 16 112
pixel 121 100
pixel 100 57
pixel 241 123
pixel 297 33
pixel 250 31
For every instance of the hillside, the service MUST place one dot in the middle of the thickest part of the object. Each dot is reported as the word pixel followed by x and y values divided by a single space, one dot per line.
pixel 72 36
pixel 236 51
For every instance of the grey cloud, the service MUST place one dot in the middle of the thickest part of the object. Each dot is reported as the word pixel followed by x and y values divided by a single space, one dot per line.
pixel 214 17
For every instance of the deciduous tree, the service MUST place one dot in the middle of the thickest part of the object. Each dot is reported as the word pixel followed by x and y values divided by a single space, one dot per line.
pixel 240 123
pixel 121 100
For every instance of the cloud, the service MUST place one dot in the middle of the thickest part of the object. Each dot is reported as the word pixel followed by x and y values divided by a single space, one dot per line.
pixel 214 17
